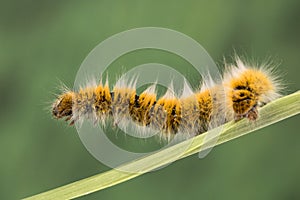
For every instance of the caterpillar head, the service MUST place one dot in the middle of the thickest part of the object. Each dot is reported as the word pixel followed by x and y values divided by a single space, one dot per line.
pixel 252 89
pixel 244 103
pixel 62 107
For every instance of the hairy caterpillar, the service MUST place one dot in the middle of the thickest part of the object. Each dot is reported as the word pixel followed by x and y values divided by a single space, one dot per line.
pixel 242 91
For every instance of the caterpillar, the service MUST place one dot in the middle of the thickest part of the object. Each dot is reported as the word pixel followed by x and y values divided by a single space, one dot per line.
pixel 243 89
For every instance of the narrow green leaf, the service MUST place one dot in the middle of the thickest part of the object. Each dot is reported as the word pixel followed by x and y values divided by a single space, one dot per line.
pixel 273 112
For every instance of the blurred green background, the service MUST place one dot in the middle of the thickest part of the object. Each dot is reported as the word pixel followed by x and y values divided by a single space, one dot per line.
pixel 42 42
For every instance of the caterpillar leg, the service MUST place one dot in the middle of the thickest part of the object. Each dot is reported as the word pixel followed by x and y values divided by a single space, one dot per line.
pixel 251 115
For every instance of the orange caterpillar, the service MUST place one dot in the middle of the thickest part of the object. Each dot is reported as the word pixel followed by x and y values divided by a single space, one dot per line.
pixel 243 90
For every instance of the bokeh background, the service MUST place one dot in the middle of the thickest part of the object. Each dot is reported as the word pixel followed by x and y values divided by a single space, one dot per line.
pixel 43 42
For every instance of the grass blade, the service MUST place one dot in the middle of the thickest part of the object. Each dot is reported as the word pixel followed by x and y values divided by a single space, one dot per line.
pixel 271 113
